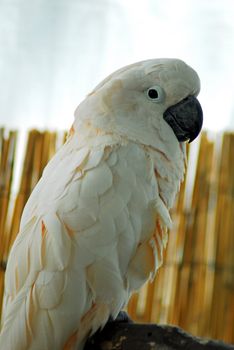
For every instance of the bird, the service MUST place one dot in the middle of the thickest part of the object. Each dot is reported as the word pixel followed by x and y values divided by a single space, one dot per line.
pixel 94 228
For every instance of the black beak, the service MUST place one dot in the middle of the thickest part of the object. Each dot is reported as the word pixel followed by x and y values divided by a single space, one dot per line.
pixel 185 118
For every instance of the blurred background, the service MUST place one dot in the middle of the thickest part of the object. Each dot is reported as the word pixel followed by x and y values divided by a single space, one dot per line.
pixel 52 53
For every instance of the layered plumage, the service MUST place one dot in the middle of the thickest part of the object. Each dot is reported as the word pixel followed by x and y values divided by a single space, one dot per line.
pixel 95 226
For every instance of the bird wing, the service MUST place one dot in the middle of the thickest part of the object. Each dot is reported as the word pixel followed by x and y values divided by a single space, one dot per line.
pixel 39 266
pixel 88 226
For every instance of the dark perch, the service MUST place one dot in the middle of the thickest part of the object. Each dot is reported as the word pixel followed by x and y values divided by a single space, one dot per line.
pixel 130 336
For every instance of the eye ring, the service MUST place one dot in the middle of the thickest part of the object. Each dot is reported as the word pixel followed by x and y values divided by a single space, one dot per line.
pixel 155 94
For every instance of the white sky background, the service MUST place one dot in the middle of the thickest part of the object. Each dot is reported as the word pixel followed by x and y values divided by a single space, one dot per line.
pixel 53 52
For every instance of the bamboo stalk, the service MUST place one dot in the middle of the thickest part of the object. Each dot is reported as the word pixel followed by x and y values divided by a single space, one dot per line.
pixel 200 205
pixel 6 172
pixel 7 157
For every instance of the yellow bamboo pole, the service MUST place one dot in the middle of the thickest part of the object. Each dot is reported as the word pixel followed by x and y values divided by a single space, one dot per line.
pixel 6 171
pixel 7 157
pixel 224 267
pixel 196 309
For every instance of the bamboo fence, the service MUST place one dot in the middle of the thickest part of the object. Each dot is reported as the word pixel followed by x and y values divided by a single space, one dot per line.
pixel 195 287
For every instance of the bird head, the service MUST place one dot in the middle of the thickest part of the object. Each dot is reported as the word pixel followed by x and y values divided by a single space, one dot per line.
pixel 152 102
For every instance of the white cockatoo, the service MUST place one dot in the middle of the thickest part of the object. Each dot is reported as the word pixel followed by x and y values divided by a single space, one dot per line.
pixel 95 226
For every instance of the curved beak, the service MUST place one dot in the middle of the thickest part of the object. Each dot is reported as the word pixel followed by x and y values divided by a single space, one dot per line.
pixel 185 118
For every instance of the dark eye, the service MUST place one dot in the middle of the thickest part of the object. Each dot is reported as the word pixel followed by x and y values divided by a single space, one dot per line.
pixel 152 93
pixel 155 93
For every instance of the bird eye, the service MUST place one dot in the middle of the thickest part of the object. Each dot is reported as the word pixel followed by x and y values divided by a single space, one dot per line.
pixel 155 94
